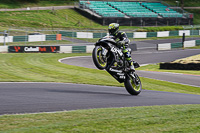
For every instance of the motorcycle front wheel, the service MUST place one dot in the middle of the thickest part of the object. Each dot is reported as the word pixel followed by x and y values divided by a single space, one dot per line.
pixel 99 60
pixel 133 84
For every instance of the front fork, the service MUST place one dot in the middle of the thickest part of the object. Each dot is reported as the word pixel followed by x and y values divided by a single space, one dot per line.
pixel 104 53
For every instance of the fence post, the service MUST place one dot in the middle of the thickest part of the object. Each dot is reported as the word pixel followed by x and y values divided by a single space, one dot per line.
pixel 183 39
pixel 5 35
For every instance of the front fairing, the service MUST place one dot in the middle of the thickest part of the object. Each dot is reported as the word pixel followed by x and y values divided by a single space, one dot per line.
pixel 106 40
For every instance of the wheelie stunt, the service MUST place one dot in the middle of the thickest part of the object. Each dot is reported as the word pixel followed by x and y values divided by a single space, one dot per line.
pixel 113 54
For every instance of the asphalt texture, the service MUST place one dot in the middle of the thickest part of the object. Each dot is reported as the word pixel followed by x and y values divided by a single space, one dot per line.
pixel 50 97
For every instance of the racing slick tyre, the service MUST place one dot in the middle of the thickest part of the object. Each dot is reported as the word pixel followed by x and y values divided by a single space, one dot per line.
pixel 133 84
pixel 99 60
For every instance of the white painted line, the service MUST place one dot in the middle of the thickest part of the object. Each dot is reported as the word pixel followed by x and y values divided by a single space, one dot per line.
pixel 60 60
pixel 144 64
pixel 170 81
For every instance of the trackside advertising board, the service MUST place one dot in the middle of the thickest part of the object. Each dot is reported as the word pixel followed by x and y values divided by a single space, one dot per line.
pixel 33 49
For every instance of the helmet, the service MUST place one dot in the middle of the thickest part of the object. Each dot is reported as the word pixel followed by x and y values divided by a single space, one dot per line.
pixel 113 28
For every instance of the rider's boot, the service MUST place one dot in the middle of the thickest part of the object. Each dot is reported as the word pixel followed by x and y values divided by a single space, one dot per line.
pixel 132 68
pixel 129 59
pixel 131 65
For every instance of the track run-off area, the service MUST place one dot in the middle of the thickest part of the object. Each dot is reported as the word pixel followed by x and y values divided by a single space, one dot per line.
pixel 51 97
pixel 144 58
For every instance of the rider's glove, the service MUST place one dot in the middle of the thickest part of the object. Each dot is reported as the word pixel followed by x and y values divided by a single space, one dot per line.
pixel 120 43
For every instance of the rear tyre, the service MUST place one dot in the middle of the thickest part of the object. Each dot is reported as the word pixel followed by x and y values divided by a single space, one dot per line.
pixel 133 85
pixel 99 60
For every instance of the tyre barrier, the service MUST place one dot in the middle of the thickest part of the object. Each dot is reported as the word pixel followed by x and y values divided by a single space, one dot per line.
pixel 132 34
pixel 3 49
pixel 180 66
pixel 170 46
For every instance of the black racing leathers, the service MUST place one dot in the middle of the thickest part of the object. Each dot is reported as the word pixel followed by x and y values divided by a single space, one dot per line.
pixel 123 41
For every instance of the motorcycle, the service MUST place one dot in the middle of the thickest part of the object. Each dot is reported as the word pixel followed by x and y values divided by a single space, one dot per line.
pixel 107 56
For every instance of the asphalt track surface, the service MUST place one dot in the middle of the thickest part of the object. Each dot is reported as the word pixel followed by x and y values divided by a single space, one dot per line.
pixel 50 97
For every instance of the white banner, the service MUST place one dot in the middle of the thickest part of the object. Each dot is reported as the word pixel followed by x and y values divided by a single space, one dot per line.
pixel 140 35
pixel 7 39
pixel 89 49
pixel 65 49
pixel 36 38
pixel 4 49
pixel 163 34
pixel 187 32
pixel 84 35
pixel 164 46
pixel 190 43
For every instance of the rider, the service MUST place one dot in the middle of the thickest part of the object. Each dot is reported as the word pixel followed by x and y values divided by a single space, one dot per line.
pixel 122 41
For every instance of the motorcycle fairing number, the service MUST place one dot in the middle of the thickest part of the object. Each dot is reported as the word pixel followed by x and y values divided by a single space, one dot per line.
pixel 116 50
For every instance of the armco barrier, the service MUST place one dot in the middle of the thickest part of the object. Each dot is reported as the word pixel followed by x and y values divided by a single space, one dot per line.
pixel 3 49
pixel 164 46
pixel 189 44
pixel 133 34
pixel 35 38
pixel 163 34
pixel 65 49
pixel 169 46
pixel 29 38
pixel 140 35
pixel 76 49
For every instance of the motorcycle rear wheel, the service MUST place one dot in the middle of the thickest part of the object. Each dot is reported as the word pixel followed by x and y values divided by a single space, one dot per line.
pixel 98 59
pixel 133 85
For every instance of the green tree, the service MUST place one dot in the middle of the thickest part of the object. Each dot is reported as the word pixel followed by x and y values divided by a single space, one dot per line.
pixel 182 4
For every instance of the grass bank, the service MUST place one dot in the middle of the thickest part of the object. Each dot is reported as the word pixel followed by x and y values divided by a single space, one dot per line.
pixel 63 19
pixel 36 67
pixel 66 18
pixel 153 119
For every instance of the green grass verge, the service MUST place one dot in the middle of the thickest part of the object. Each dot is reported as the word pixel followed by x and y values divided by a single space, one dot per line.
pixel 152 119
pixel 196 47
pixel 38 67
pixel 156 67
pixel 66 18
